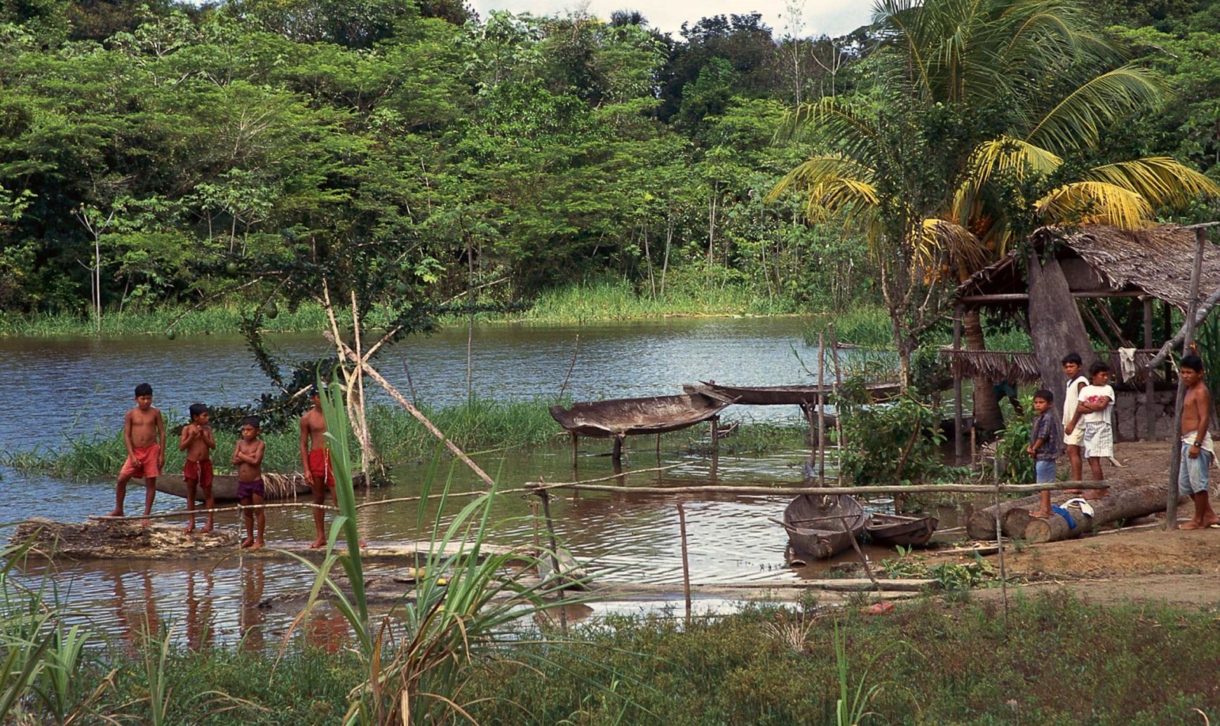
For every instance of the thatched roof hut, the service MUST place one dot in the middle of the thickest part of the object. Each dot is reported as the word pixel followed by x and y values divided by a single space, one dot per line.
pixel 1103 261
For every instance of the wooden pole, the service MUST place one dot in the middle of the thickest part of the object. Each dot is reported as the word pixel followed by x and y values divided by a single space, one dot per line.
pixel 1175 454
pixel 838 382
pixel 685 560
pixel 822 408
pixel 1149 414
pixel 957 385
pixel 715 422
pixel 999 541
pixel 616 454
pixel 574 445
pixel 795 491
pixel 550 530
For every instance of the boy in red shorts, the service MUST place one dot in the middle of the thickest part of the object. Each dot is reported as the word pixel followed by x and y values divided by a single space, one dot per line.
pixel 315 460
pixel 144 436
pixel 248 458
pixel 197 441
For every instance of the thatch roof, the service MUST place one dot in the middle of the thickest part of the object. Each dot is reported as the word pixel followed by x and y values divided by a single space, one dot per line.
pixel 1021 366
pixel 1156 261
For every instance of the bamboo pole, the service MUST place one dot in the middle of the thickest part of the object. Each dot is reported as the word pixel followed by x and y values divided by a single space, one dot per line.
pixel 862 490
pixel 685 560
pixel 1175 454
pixel 957 386
pixel 822 409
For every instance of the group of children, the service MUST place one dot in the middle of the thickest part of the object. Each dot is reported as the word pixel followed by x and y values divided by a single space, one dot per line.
pixel 144 434
pixel 1086 431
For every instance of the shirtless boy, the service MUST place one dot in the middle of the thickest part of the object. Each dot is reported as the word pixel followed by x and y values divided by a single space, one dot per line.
pixel 1197 451
pixel 248 458
pixel 315 461
pixel 197 441
pixel 144 436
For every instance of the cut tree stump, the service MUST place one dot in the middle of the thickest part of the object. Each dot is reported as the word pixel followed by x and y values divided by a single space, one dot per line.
pixel 1138 501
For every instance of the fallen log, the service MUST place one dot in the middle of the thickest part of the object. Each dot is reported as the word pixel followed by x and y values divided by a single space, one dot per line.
pixel 1129 503
pixel 1014 514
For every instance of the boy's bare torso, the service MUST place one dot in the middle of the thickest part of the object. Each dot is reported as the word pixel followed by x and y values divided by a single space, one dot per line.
pixel 1195 409
pixel 201 442
pixel 313 425
pixel 249 459
pixel 144 426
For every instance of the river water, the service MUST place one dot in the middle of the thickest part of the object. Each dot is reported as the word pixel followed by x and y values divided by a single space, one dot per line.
pixel 65 387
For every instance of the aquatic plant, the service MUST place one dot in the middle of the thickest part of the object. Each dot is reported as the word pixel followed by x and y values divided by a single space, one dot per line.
pixel 465 597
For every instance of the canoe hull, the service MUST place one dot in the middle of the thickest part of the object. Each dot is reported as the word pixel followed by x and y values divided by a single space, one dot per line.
pixel 224 486
pixel 781 395
pixel 893 530
pixel 823 526
pixel 634 416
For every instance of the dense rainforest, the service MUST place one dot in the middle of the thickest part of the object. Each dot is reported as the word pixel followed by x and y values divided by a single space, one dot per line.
pixel 155 152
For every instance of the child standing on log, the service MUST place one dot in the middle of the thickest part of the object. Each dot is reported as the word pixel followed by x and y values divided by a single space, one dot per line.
pixel 1073 439
pixel 1197 451
pixel 144 436
pixel 1093 412
pixel 197 441
pixel 248 458
pixel 1045 441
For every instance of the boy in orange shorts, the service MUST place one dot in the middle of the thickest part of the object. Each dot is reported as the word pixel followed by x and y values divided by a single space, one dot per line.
pixel 144 435
pixel 197 441
pixel 315 459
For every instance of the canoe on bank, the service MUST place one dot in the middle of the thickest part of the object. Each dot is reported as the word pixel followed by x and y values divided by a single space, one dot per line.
pixel 822 526
pixel 893 530
pixel 224 486
pixel 630 416
pixel 781 395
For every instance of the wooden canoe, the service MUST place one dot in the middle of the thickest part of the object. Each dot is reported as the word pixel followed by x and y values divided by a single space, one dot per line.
pixel 630 416
pixel 780 395
pixel 894 530
pixel 224 486
pixel 822 526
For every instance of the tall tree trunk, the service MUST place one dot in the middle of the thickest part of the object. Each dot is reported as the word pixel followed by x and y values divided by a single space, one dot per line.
pixel 987 416
pixel 1055 325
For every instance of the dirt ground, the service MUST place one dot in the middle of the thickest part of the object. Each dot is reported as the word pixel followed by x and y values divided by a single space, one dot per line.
pixel 1144 563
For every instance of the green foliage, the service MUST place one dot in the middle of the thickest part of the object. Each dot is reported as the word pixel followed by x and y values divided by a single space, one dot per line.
pixel 890 442
pixel 1017 466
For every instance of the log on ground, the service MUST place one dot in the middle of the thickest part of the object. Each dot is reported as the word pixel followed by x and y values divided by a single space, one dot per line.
pixel 1138 501
pixel 981 524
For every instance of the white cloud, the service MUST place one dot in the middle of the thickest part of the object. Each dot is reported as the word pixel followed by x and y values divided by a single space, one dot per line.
pixel 829 17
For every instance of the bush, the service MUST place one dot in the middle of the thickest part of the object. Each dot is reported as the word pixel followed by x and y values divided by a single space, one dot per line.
pixel 884 443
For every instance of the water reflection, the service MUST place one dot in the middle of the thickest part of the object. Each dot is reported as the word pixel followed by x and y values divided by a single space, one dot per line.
pixel 200 611
pixel 252 616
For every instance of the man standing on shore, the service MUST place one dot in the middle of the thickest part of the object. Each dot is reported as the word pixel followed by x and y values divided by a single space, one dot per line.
pixel 1197 450
pixel 315 460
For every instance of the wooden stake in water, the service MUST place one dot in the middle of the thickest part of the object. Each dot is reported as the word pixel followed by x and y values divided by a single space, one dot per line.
pixel 822 408
pixel 685 561
pixel 550 529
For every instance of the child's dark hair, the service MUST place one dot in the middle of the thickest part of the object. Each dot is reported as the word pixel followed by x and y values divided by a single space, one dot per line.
pixel 196 409
pixel 250 421
pixel 1071 358
pixel 1193 362
pixel 1099 367
pixel 1045 395
pixel 143 389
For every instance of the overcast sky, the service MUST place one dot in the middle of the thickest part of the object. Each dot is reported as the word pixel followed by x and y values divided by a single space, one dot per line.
pixel 829 17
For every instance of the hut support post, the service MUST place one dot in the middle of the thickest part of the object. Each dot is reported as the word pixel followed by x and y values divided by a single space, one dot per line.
pixel 822 408
pixel 957 384
pixel 575 440
pixel 1175 454
pixel 1149 416
pixel 715 422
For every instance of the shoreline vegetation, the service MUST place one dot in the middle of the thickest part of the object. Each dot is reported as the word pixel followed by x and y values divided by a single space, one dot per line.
pixel 479 426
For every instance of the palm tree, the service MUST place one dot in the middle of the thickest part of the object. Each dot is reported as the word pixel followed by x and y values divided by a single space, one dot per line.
pixel 1031 85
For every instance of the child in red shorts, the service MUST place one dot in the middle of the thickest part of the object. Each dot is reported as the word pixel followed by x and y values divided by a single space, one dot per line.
pixel 197 441
pixel 315 458
pixel 144 436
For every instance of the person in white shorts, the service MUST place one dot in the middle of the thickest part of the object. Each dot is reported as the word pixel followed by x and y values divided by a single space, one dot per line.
pixel 1072 442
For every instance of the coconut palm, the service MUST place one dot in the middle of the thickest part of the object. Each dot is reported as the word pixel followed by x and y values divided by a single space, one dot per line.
pixel 1037 86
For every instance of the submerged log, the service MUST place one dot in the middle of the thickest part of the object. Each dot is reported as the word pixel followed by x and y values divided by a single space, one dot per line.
pixel 1128 503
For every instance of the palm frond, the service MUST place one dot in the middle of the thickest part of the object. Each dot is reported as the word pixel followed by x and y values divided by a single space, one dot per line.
pixel 822 169
pixel 939 243
pixel 1160 180
pixel 1095 202
pixel 1079 118
pixel 834 124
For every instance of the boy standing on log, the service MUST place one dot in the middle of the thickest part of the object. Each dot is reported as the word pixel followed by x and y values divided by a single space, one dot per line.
pixel 1045 441
pixel 1093 410
pixel 197 441
pixel 1073 440
pixel 248 458
pixel 1197 451
pixel 144 435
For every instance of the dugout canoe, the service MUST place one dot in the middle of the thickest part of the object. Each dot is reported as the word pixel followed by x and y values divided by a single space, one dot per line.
pixel 894 530
pixel 224 486
pixel 822 526
pixel 631 416
pixel 780 395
